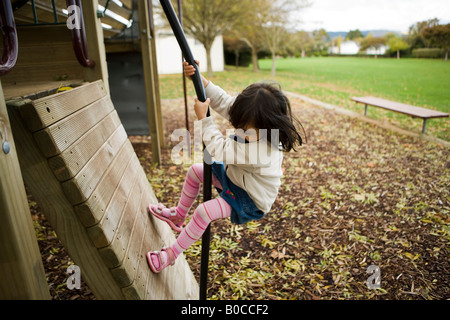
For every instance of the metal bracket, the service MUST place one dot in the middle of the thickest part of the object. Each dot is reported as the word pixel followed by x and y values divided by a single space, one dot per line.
pixel 6 147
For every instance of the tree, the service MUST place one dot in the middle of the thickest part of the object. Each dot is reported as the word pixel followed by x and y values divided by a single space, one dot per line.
pixel 205 20
pixel 274 37
pixel 396 44
pixel 321 38
pixel 415 35
pixel 338 43
pixel 354 34
pixel 265 25
pixel 232 43
pixel 299 43
pixel 249 30
pixel 275 24
pixel 371 41
pixel 439 36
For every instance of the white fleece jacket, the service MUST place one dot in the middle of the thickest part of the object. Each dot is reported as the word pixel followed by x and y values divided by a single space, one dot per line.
pixel 254 166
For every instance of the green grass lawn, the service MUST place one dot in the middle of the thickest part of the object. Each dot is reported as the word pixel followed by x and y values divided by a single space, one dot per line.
pixel 420 82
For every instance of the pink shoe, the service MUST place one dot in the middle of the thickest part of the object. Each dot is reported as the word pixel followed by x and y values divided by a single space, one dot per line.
pixel 175 221
pixel 170 261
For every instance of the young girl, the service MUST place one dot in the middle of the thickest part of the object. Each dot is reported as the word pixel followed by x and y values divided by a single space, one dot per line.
pixel 249 179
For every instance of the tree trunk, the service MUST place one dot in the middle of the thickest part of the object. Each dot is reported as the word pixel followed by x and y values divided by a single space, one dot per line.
pixel 446 55
pixel 274 62
pixel 236 58
pixel 255 60
pixel 398 54
pixel 208 61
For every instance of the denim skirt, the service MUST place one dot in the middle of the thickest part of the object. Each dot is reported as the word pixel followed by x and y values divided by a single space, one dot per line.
pixel 243 209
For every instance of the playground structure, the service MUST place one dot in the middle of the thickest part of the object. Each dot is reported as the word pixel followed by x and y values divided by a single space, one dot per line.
pixel 72 151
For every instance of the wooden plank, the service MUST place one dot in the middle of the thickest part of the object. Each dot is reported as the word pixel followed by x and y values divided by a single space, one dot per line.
pixel 60 52
pixel 417 112
pixel 92 211
pixel 43 35
pixel 149 79
pixel 68 163
pixel 47 6
pixel 51 71
pixel 59 212
pixel 124 12
pixel 121 46
pixel 36 90
pixel 22 274
pixel 41 113
pixel 156 84
pixel 162 285
pixel 44 13
pixel 36 45
pixel 103 232
pixel 113 23
pixel 114 254
pixel 95 44
pixel 110 33
pixel 126 272
pixel 166 285
pixel 137 289
pixel 128 4
pixel 122 222
pixel 59 136
pixel 79 188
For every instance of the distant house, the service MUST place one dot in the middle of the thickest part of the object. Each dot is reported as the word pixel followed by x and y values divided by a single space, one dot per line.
pixel 346 47
pixel 168 54
pixel 377 51
pixel 350 47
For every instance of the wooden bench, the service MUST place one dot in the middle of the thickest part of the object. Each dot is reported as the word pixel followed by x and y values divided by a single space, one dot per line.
pixel 79 165
pixel 413 111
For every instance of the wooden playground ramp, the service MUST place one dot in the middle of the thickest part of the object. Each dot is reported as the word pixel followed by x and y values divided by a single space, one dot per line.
pixel 80 167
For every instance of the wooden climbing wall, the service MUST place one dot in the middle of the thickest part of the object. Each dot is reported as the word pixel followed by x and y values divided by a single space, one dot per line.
pixel 80 166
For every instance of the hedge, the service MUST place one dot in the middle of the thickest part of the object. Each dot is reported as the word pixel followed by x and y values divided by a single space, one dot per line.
pixel 428 53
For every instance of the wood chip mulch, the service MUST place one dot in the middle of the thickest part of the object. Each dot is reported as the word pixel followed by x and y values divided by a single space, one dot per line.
pixel 355 195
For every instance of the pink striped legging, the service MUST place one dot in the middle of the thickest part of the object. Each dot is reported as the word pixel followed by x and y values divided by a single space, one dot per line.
pixel 203 215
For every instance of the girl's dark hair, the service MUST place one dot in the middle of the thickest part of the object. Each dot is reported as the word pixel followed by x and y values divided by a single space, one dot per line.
pixel 264 106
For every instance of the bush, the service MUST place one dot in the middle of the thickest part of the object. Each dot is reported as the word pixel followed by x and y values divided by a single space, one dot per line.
pixel 433 53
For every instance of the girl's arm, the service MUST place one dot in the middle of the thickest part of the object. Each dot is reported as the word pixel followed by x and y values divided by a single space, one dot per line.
pixel 190 70
pixel 255 154
pixel 220 100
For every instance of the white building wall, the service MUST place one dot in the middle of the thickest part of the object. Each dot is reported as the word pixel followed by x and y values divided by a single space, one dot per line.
pixel 347 47
pixel 374 51
pixel 168 54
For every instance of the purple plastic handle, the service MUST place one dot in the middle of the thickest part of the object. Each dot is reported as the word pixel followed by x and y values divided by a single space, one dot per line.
pixel 10 42
pixel 79 38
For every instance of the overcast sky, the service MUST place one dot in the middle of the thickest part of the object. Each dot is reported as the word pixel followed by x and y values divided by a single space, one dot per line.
pixel 396 15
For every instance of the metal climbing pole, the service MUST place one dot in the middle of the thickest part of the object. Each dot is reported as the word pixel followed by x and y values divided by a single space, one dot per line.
pixel 207 170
